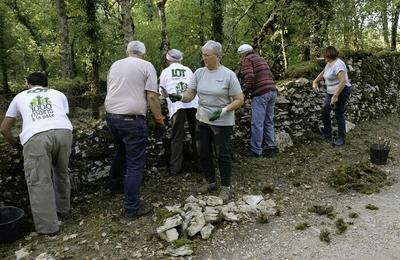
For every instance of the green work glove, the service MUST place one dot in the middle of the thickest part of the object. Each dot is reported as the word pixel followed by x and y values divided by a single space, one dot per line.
pixel 218 113
pixel 175 97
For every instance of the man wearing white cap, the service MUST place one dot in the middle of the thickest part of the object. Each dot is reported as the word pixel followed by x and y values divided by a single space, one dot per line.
pixel 260 84
pixel 174 80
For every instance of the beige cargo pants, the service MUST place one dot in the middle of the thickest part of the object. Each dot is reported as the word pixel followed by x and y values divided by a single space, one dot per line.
pixel 46 157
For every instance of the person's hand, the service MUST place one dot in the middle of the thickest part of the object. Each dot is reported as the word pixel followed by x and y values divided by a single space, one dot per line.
pixel 159 131
pixel 315 86
pixel 175 97
pixel 218 113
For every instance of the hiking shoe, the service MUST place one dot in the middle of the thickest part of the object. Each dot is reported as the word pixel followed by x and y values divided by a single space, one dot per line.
pixel 144 209
pixel 226 193
pixel 207 187
pixel 339 142
pixel 270 151
pixel 250 153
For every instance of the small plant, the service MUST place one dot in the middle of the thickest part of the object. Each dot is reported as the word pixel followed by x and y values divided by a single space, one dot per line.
pixel 341 226
pixel 383 143
pixel 371 207
pixel 353 215
pixel 263 218
pixel 323 210
pixel 303 226
pixel 325 236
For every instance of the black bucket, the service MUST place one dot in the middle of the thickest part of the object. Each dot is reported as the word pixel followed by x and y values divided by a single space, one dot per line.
pixel 378 154
pixel 10 224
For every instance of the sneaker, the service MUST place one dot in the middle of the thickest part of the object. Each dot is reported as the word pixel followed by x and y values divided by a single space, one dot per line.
pixel 250 153
pixel 226 193
pixel 207 187
pixel 144 209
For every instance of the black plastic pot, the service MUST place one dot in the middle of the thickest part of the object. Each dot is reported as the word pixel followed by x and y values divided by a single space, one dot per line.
pixel 378 154
pixel 10 224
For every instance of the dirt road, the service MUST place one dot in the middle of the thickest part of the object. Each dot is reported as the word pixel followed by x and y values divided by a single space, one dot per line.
pixel 375 234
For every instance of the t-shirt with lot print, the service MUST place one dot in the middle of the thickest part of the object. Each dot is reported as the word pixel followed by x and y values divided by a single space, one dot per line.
pixel 175 79
pixel 216 89
pixel 41 109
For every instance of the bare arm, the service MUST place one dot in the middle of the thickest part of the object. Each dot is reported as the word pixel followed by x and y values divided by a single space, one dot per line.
pixel 154 103
pixel 237 102
pixel 342 84
pixel 317 79
pixel 188 95
pixel 5 130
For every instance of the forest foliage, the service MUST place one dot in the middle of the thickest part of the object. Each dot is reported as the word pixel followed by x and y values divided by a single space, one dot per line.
pixel 78 40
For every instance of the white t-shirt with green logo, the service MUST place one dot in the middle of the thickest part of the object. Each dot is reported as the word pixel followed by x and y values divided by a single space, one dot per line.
pixel 216 89
pixel 41 109
pixel 175 79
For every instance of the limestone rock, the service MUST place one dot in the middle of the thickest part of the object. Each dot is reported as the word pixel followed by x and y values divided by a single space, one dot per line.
pixel 196 225
pixel 214 201
pixel 170 223
pixel 252 200
pixel 169 235
pixel 206 231
pixel 180 251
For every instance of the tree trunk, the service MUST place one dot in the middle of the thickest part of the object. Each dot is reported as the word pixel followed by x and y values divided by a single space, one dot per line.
pixel 164 33
pixel 24 20
pixel 217 20
pixel 91 33
pixel 261 34
pixel 3 56
pixel 395 24
pixel 385 26
pixel 128 27
pixel 66 52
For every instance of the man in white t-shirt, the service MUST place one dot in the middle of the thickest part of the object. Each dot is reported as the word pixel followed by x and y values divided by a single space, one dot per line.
pixel 131 84
pixel 46 139
pixel 175 79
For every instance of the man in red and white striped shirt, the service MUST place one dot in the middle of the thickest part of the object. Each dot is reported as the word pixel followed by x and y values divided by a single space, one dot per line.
pixel 259 83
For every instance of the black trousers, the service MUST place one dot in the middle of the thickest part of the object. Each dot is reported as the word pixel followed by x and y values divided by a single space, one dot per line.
pixel 219 136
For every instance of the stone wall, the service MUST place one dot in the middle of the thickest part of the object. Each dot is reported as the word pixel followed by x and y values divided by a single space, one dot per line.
pixel 375 81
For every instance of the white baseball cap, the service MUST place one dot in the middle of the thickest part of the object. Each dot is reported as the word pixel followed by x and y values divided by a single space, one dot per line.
pixel 174 55
pixel 244 48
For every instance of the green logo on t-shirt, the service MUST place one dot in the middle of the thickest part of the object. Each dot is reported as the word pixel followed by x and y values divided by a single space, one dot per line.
pixel 181 87
pixel 41 108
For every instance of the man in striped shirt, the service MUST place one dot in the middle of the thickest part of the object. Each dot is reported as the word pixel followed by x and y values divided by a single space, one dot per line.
pixel 259 83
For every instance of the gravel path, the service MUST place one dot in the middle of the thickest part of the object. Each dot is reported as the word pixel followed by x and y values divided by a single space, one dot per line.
pixel 375 234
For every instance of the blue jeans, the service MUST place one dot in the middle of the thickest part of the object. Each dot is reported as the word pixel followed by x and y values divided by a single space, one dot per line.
pixel 130 139
pixel 262 122
pixel 339 112
pixel 220 136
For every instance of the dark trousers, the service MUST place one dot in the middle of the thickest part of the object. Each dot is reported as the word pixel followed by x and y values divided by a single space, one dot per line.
pixel 178 136
pixel 130 138
pixel 339 112
pixel 220 136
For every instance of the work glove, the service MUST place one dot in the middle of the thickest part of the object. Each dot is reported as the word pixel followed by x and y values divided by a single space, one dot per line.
pixel 18 146
pixel 175 97
pixel 218 113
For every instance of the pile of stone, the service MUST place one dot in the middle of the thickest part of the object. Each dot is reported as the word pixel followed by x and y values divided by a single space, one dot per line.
pixel 198 216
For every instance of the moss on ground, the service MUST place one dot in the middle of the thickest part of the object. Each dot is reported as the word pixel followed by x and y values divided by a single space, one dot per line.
pixel 341 226
pixel 303 226
pixel 360 176
pixel 371 207
pixel 323 210
pixel 325 236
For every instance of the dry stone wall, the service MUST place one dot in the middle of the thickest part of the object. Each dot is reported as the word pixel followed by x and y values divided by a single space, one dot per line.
pixel 375 83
